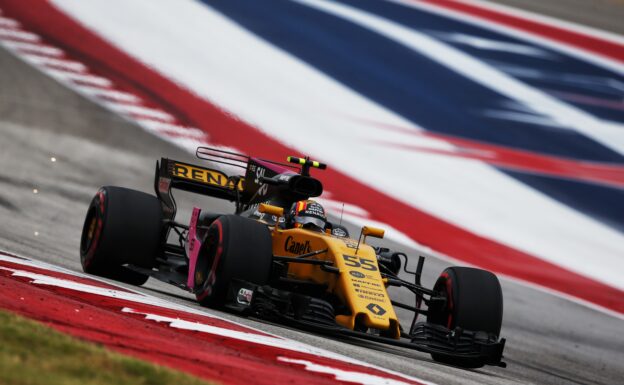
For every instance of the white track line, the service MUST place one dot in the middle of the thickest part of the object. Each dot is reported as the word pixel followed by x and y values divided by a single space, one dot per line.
pixel 62 64
pixel 35 48
pixel 109 94
pixel 172 128
pixel 6 33
pixel 140 111
pixel 6 22
pixel 349 376
pixel 81 78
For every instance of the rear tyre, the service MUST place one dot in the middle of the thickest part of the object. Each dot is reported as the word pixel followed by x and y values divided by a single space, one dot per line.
pixel 122 226
pixel 235 248
pixel 474 302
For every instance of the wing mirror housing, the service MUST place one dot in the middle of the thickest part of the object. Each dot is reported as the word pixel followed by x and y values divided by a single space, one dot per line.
pixel 271 210
pixel 368 231
pixel 375 232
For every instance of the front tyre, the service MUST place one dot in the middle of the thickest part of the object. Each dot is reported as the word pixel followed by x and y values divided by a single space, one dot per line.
pixel 474 302
pixel 122 226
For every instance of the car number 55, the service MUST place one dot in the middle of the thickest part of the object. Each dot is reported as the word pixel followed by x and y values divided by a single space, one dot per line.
pixel 364 263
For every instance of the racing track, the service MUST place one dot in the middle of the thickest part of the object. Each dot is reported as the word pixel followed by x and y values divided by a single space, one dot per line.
pixel 550 340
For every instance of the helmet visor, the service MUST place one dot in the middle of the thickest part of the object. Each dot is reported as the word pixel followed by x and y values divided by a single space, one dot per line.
pixel 308 220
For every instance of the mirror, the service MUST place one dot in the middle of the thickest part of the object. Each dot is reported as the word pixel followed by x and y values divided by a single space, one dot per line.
pixel 270 209
pixel 373 232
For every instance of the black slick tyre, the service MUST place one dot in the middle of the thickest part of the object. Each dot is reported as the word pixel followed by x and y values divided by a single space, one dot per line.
pixel 122 226
pixel 474 303
pixel 235 248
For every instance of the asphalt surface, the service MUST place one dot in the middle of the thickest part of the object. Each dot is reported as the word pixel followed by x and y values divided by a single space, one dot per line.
pixel 550 340
pixel 607 15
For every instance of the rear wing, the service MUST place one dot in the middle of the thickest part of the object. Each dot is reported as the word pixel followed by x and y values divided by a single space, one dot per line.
pixel 201 180
pixel 193 178
pixel 207 181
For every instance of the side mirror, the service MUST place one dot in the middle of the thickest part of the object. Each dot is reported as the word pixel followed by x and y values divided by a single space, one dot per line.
pixel 369 231
pixel 373 232
pixel 270 209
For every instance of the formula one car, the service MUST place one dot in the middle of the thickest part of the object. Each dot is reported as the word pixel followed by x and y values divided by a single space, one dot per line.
pixel 260 261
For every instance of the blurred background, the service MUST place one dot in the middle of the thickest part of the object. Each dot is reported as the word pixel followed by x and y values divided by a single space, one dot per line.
pixel 475 133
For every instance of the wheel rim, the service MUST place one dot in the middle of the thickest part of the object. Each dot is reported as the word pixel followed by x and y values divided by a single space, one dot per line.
pixel 443 316
pixel 209 260
pixel 88 231
pixel 92 228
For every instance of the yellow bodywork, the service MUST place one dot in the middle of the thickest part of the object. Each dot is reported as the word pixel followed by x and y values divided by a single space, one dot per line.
pixel 359 285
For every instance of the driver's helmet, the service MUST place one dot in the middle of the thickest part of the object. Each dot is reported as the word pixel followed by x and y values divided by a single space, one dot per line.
pixel 308 214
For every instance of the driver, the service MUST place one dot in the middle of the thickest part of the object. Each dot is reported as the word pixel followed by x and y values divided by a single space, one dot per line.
pixel 307 214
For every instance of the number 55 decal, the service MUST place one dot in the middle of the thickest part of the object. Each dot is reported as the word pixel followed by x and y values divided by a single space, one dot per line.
pixel 366 264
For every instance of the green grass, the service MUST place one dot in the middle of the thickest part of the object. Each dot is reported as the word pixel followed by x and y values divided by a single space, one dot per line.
pixel 31 353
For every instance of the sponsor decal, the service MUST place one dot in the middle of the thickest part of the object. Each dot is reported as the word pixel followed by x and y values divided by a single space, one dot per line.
pixel 338 232
pixel 294 247
pixel 281 219
pixel 376 309
pixel 260 171
pixel 264 188
pixel 369 298
pixel 163 184
pixel 371 293
pixel 364 263
pixel 356 274
pixel 311 208
pixel 366 288
pixel 204 175
pixel 366 283
pixel 244 296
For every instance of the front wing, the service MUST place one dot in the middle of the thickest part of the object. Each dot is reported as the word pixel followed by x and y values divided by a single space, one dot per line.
pixel 308 313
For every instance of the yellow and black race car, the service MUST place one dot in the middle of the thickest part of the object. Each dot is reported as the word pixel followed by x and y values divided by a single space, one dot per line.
pixel 278 258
